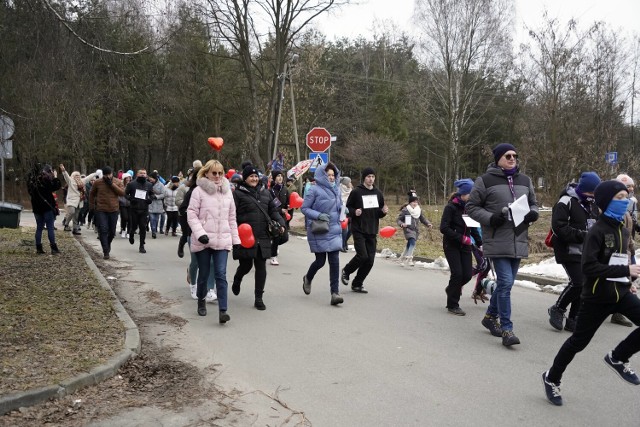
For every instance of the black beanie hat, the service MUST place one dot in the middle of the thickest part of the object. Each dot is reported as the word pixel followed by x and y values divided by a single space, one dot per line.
pixel 106 170
pixel 413 196
pixel 274 174
pixel 153 175
pixel 249 170
pixel 605 192
pixel 367 171
pixel 500 149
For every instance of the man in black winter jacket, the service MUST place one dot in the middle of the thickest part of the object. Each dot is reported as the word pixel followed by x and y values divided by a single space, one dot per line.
pixel 366 207
pixel 606 290
pixel 572 217
pixel 139 193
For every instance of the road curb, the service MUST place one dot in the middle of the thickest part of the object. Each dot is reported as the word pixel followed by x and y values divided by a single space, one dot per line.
pixel 131 347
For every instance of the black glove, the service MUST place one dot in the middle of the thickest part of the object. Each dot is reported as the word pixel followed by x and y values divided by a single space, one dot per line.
pixel 107 181
pixel 152 196
pixel 532 216
pixel 204 239
pixel 497 219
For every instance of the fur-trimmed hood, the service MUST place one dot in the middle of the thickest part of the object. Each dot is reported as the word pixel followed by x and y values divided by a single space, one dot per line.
pixel 210 187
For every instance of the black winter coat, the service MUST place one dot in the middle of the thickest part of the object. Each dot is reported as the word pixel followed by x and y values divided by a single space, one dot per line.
pixel 282 196
pixel 453 227
pixel 42 194
pixel 605 238
pixel 182 212
pixel 130 194
pixel 247 212
pixel 569 222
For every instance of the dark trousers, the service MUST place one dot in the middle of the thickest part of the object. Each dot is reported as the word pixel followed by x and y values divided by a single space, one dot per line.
pixel 334 269
pixel 172 221
pixel 106 222
pixel 590 317
pixel 139 220
pixel 124 218
pixel 571 293
pixel 365 245
pixel 244 267
pixel 45 219
pixel 219 258
pixel 460 264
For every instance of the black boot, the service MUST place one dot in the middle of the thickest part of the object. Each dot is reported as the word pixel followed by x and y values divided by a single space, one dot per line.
pixel 54 249
pixel 142 250
pixel 259 304
pixel 181 244
pixel 224 317
pixel 202 307
pixel 39 249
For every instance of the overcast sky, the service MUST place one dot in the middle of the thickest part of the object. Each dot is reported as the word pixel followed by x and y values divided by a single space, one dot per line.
pixel 358 19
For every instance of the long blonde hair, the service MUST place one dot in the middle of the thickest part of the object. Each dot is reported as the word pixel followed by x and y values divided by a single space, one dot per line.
pixel 210 165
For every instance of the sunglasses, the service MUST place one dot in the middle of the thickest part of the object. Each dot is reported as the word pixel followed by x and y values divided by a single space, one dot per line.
pixel 214 173
pixel 511 156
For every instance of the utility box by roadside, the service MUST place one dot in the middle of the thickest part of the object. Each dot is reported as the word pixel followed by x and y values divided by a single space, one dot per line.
pixel 10 215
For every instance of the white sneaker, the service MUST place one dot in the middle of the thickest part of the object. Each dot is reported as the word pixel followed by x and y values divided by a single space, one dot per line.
pixel 194 289
pixel 123 234
pixel 211 296
pixel 274 261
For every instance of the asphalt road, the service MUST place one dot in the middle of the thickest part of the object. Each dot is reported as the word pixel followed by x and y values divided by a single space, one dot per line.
pixel 393 357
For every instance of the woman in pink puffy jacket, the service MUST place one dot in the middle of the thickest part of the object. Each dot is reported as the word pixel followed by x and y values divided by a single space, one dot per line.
pixel 214 230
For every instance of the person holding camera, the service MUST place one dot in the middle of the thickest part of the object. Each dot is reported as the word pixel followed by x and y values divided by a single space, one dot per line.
pixel 104 197
pixel 212 218
pixel 254 206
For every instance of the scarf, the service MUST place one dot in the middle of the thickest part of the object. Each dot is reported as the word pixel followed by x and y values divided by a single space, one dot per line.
pixel 415 212
pixel 80 186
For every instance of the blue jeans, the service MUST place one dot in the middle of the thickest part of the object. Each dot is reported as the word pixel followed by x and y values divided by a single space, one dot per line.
pixel 411 244
pixel 334 269
pixel 219 258
pixel 193 269
pixel 106 222
pixel 155 218
pixel 47 218
pixel 500 303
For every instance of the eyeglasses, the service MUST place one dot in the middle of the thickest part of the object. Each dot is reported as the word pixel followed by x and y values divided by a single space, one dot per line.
pixel 215 173
pixel 511 156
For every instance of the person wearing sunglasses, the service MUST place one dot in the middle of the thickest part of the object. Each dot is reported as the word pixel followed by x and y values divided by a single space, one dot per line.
pixel 503 242
pixel 212 218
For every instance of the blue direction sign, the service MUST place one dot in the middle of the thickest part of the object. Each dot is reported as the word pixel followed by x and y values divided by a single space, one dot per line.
pixel 321 159
pixel 612 157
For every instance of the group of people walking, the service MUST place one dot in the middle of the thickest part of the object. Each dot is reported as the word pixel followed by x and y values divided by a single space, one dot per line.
pixel 592 227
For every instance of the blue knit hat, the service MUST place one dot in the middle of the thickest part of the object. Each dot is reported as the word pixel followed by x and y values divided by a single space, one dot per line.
pixel 464 186
pixel 588 182
pixel 500 149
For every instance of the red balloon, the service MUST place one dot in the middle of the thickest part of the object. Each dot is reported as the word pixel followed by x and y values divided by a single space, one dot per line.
pixel 245 232
pixel 230 173
pixel 215 143
pixel 249 242
pixel 387 231
pixel 344 223
pixel 287 216
pixel 295 201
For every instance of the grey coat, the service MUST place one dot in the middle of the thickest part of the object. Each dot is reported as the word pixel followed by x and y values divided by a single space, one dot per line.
pixel 157 205
pixel 490 194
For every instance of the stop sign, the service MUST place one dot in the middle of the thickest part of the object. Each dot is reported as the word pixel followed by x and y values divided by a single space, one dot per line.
pixel 318 140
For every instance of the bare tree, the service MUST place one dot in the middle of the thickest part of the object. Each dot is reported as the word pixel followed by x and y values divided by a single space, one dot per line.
pixel 263 53
pixel 467 46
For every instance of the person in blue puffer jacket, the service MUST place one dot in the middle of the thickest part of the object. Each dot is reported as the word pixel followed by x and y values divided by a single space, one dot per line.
pixel 323 202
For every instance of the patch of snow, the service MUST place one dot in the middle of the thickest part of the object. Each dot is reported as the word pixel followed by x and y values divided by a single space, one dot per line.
pixel 546 268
